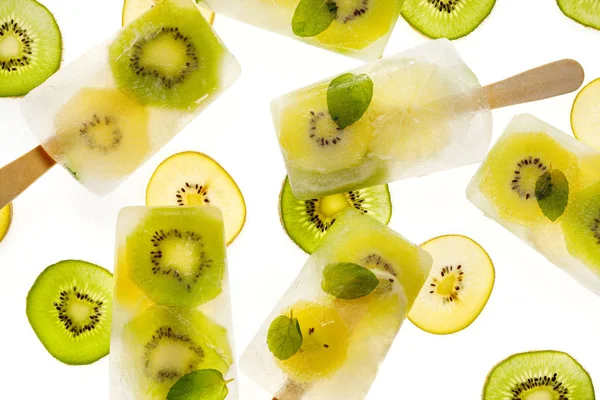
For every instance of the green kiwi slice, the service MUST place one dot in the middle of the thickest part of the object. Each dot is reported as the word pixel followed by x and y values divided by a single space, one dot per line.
pixel 69 308
pixel 30 46
pixel 307 221
pixel 451 19
pixel 168 57
pixel 177 255
pixel 166 344
pixel 586 12
pixel 539 375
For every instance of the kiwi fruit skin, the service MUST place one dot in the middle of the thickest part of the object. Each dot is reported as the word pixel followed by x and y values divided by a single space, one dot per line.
pixel 441 18
pixel 181 23
pixel 302 221
pixel 585 12
pixel 49 315
pixel 549 367
pixel 41 56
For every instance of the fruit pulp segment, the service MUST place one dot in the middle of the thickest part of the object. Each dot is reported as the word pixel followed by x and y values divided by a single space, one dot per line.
pixel 428 113
pixel 161 330
pixel 93 116
pixel 569 242
pixel 343 340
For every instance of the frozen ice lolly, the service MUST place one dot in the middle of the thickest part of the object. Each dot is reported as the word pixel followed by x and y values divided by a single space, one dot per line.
pixel 344 337
pixel 357 28
pixel 171 311
pixel 106 113
pixel 427 112
pixel 504 188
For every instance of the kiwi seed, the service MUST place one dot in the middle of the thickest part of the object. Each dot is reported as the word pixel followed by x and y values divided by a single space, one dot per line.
pixel 89 139
pixel 61 306
pixel 448 270
pixel 320 139
pixel 377 261
pixel 13 63
pixel 524 164
pixel 193 189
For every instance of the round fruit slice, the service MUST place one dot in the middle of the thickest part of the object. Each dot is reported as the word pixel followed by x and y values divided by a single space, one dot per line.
pixel 165 344
pixel 132 9
pixel 585 114
pixel 168 57
pixel 512 169
pixel 458 287
pixel 69 308
pixel 195 179
pixel 586 12
pixel 307 221
pixel 102 134
pixel 581 226
pixel 324 346
pixel 5 220
pixel 312 141
pixel 178 257
pixel 30 46
pixel 539 375
pixel 451 19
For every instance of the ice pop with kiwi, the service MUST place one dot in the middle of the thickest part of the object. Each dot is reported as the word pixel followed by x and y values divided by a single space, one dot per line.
pixel 411 114
pixel 327 336
pixel 106 113
pixel 171 310
pixel 544 186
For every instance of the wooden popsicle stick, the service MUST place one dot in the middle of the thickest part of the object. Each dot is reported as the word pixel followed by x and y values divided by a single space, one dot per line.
pixel 22 172
pixel 554 79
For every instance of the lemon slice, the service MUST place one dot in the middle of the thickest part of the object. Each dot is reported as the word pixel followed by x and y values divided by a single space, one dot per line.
pixel 458 287
pixel 134 8
pixel 195 179
pixel 5 220
pixel 585 115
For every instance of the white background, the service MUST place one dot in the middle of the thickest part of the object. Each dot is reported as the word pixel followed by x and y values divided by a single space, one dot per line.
pixel 533 306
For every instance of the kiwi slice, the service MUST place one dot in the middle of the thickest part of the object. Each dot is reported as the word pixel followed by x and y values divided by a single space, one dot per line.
pixel 458 287
pixel 584 118
pixel 512 169
pixel 307 221
pixel 5 220
pixel 69 308
pixel 586 12
pixel 30 46
pixel 101 134
pixel 165 344
pixel 539 375
pixel 194 179
pixel 451 19
pixel 169 57
pixel 133 9
pixel 177 255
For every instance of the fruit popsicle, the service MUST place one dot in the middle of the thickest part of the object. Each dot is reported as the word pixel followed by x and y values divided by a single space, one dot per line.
pixel 420 111
pixel 327 336
pixel 106 113
pixel 172 309
pixel 357 28
pixel 507 188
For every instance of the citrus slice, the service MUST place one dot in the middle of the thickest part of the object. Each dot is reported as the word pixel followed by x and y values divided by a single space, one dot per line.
pixel 134 8
pixel 458 287
pixel 585 115
pixel 5 220
pixel 194 179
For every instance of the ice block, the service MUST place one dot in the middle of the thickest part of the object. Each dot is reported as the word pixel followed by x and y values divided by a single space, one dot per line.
pixel 427 112
pixel 172 309
pixel 344 338
pixel 105 114
pixel 357 28
pixel 504 188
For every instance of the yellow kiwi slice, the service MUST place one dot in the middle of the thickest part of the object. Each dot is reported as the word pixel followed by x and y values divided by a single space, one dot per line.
pixel 132 9
pixel 312 141
pixel 585 115
pixel 324 346
pixel 458 287
pixel 5 220
pixel 194 179
pixel 102 134
pixel 512 168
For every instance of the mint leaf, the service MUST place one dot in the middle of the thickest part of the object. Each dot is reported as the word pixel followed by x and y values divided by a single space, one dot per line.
pixel 348 97
pixel 203 384
pixel 313 17
pixel 285 337
pixel 552 193
pixel 348 281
